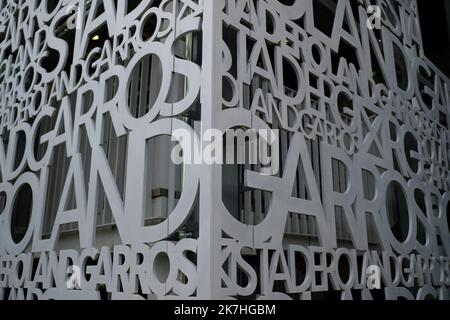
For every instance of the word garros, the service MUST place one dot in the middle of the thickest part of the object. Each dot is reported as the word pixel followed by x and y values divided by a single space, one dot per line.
pixel 68 272
pixel 234 146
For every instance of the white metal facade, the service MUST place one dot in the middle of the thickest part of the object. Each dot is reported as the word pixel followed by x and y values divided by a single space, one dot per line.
pixel 91 93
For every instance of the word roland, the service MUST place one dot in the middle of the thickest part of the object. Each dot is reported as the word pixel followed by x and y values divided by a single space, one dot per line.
pixel 111 268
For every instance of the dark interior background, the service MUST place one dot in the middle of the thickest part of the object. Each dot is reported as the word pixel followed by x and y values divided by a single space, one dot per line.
pixel 435 25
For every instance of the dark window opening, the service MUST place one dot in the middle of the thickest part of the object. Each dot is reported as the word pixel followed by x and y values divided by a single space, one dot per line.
pixel 435 26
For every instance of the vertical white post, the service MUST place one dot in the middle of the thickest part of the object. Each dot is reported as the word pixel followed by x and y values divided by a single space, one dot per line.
pixel 209 248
